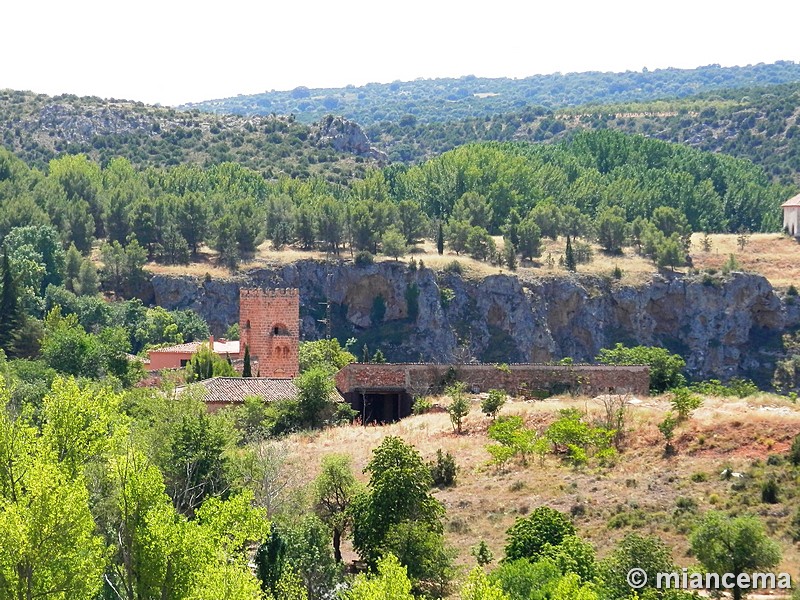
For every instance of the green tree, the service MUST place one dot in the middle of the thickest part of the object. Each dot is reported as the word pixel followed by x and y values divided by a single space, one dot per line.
pixel 247 369
pixel 734 545
pixel 390 583
pixel 399 491
pixel 206 363
pixel 666 370
pixel 440 239
pixel 549 219
pixel 480 244
pixel 411 221
pixel 510 255
pixel 528 537
pixel 334 490
pixel 611 229
pixel 315 396
pixel 393 243
pixel 478 587
pixel 530 239
pixel 569 257
pixel 634 551
pixel 88 284
pixel 457 235
pixel 459 406
pixel 493 402
pixel 191 217
pixel 327 354
pixel 10 314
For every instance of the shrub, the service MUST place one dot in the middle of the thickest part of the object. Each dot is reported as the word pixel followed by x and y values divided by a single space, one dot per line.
pixel 454 267
pixel 443 469
pixel 492 404
pixel 684 402
pixel 794 451
pixel 459 405
pixel 422 405
pixel 769 491
pixel 446 296
pixel 364 259
pixel 483 556
pixel 528 537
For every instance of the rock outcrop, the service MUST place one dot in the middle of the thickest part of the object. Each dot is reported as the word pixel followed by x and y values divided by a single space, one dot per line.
pixel 345 136
pixel 723 326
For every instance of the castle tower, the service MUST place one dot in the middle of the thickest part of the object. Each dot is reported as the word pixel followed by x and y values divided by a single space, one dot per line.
pixel 269 324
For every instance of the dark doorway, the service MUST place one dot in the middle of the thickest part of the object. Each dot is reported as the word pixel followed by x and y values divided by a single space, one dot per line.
pixel 380 406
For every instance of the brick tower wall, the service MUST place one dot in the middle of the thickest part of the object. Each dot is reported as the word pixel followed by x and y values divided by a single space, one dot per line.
pixel 269 323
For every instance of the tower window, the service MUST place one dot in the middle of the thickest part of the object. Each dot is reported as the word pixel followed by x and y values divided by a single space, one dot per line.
pixel 280 329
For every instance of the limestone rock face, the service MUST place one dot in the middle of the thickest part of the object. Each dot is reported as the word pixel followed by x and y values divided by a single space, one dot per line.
pixel 345 136
pixel 729 326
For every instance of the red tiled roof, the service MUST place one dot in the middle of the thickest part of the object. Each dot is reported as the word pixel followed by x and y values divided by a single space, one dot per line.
pixel 188 347
pixel 234 390
pixel 795 201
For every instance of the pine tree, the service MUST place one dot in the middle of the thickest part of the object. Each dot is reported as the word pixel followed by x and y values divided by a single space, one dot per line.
pixel 440 239
pixel 247 369
pixel 10 317
pixel 379 358
pixel 569 258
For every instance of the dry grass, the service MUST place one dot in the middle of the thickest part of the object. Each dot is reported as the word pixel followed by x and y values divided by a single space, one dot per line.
pixel 773 255
pixel 644 484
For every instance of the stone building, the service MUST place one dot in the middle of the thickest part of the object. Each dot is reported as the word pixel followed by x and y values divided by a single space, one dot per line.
pixel 791 216
pixel 269 324
pixel 385 392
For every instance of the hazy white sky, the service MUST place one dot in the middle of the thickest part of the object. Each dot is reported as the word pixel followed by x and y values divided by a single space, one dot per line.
pixel 174 51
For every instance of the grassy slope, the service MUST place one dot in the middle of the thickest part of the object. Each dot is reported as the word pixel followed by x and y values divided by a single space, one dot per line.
pixel 643 487
pixel 773 255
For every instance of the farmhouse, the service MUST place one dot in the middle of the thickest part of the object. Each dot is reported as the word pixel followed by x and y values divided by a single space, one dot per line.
pixel 791 216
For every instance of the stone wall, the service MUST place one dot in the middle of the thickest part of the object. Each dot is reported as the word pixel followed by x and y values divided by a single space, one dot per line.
pixel 531 379
pixel 269 324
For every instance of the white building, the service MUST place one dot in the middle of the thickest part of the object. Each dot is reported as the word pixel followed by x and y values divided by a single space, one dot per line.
pixel 791 216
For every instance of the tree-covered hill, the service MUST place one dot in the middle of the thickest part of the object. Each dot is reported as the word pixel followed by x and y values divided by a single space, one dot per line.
pixel 430 100
pixel 38 128
pixel 759 124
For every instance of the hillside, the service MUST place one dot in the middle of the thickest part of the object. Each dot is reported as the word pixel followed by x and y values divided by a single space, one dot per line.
pixel 644 492
pixel 39 128
pixel 759 124
pixel 450 99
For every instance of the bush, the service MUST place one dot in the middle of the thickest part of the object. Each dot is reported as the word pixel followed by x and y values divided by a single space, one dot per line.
pixel 454 267
pixel 794 451
pixel 528 537
pixel 421 405
pixel 684 402
pixel 443 469
pixel 492 404
pixel 459 406
pixel 364 259
pixel 769 491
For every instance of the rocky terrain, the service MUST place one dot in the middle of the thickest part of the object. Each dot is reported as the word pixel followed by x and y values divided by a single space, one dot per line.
pixel 723 326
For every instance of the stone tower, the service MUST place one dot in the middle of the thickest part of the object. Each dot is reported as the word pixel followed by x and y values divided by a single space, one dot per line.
pixel 269 323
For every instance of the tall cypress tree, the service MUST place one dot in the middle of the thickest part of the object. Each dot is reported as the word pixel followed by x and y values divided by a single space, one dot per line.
pixel 440 239
pixel 247 369
pixel 569 259
pixel 10 317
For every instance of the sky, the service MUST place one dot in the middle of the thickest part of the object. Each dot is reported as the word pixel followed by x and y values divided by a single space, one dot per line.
pixel 173 51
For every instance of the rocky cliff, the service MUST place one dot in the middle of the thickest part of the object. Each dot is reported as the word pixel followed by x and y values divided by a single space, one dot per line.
pixel 723 326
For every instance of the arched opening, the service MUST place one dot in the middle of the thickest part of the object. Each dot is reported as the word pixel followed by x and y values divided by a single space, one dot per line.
pixel 247 325
pixel 280 329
